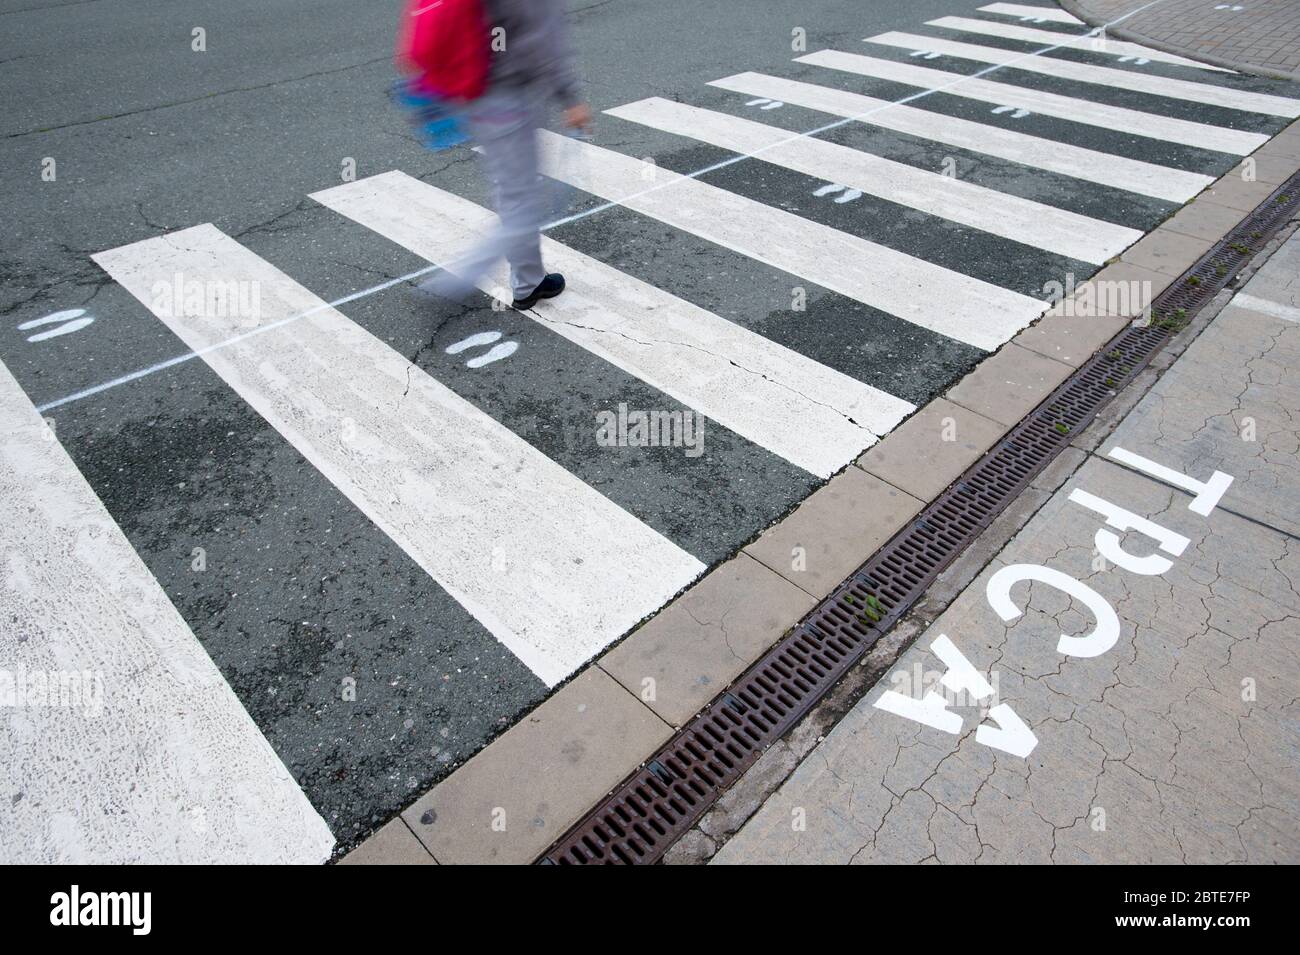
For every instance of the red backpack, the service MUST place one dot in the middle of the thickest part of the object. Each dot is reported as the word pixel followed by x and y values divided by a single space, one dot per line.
pixel 445 43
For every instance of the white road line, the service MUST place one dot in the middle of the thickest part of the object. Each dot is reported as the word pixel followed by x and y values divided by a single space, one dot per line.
pixel 920 292
pixel 779 399
pixel 1088 42
pixel 1102 75
pixel 1266 306
pixel 1052 14
pixel 1120 172
pixel 1032 223
pixel 1118 118
pixel 148 755
pixel 550 567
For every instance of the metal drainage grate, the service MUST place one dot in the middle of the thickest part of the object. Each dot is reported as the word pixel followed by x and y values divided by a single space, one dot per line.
pixel 658 803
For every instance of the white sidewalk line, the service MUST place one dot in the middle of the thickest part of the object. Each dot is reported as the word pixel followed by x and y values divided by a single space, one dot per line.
pixel 144 754
pixel 1254 303
pixel 781 400
pixel 550 567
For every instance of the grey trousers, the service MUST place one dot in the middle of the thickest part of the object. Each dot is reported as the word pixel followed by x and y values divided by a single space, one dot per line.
pixel 504 123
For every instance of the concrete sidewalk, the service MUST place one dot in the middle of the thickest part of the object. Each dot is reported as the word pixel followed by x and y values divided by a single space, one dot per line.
pixel 1147 715
pixel 1254 36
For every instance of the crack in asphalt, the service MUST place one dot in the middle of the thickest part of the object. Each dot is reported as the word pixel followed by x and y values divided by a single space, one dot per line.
pixel 194 99
pixel 712 354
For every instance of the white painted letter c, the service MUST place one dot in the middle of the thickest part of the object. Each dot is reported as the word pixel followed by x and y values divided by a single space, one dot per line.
pixel 1102 638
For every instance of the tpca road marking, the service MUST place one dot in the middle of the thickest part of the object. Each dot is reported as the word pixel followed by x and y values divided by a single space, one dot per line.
pixel 1009 732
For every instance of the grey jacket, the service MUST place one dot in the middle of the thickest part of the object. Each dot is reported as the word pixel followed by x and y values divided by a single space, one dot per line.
pixel 537 49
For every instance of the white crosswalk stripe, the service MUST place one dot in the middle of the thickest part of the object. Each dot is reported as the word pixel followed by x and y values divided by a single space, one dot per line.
pixel 915 290
pixel 1050 14
pixel 1118 118
pixel 133 689
pixel 553 569
pixel 1095 44
pixel 791 405
pixel 1139 82
pixel 1120 172
pixel 1056 230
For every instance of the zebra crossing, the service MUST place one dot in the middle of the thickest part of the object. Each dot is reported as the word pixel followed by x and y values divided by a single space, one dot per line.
pixel 1102 168
pixel 913 289
pixel 1075 109
pixel 438 476
pixel 1191 91
pixel 1033 223
pixel 730 375
pixel 554 558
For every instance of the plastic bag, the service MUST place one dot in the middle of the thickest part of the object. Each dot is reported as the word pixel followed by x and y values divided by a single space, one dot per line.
pixel 439 123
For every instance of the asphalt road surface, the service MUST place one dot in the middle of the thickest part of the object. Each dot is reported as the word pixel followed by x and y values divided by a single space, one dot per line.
pixel 380 626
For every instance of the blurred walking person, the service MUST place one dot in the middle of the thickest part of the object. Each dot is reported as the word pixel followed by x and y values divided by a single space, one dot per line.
pixel 496 66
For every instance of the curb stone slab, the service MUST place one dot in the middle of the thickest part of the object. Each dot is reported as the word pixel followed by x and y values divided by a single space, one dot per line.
pixel 1008 385
pixel 1205 219
pixel 1164 250
pixel 830 533
pixel 701 642
pixel 393 844
pixel 918 457
pixel 520 794
pixel 1237 193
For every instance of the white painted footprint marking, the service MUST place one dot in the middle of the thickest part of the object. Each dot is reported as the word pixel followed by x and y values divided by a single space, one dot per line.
pixel 496 353
pixel 73 319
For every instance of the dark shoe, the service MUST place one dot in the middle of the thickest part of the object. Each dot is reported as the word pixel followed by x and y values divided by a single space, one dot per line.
pixel 548 287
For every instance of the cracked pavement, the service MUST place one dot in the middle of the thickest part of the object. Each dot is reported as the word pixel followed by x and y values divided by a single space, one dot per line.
pixel 1178 744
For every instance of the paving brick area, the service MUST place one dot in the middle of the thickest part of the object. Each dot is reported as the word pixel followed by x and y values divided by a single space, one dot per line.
pixel 1255 35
